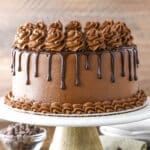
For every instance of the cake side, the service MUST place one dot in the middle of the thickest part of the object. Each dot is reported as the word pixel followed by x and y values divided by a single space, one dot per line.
pixel 90 86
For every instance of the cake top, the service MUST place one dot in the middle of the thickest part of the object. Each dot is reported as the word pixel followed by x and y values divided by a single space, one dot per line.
pixel 94 36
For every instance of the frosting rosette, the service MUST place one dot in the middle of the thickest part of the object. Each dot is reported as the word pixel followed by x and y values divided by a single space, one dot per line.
pixel 73 25
pixel 95 39
pixel 41 25
pixel 54 40
pixel 112 38
pixel 91 24
pixel 22 37
pixel 106 24
pixel 56 25
pixel 36 39
pixel 74 40
pixel 124 33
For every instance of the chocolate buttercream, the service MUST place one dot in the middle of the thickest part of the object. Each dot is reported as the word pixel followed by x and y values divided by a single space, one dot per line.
pixel 103 106
pixel 41 25
pixel 54 40
pixel 95 39
pixel 22 37
pixel 112 38
pixel 90 25
pixel 74 40
pixel 124 33
pixel 36 40
pixel 56 25
pixel 73 25
pixel 115 34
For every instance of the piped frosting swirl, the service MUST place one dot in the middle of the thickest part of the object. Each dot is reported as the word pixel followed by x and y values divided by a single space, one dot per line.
pixel 90 25
pixel 73 25
pixel 95 39
pixel 96 35
pixel 74 40
pixel 36 39
pixel 56 25
pixel 22 38
pixel 54 40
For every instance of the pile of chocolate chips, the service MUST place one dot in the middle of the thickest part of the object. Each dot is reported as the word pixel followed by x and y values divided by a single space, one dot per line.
pixel 20 137
pixel 21 129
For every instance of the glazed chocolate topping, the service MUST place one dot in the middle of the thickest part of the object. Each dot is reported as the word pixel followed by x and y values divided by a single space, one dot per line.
pixel 132 63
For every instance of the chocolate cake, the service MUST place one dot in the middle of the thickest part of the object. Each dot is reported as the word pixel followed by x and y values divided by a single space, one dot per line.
pixel 75 69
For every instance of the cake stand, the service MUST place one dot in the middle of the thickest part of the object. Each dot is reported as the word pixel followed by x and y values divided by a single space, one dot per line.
pixel 75 132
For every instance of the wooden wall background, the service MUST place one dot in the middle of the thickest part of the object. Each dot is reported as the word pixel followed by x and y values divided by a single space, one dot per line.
pixel 15 12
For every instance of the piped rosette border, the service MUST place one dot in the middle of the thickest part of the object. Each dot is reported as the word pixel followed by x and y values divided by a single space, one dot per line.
pixel 103 107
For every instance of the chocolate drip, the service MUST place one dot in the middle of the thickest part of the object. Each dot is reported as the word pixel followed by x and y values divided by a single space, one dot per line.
pixel 27 68
pixel 87 61
pixel 12 51
pixel 137 58
pixel 63 70
pixel 77 58
pixel 99 70
pixel 19 61
pixel 130 64
pixel 132 60
pixel 49 77
pixel 13 65
pixel 135 64
pixel 122 53
pixel 36 64
pixel 112 54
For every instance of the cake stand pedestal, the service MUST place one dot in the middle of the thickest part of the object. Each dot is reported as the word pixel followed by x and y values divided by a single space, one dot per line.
pixel 75 132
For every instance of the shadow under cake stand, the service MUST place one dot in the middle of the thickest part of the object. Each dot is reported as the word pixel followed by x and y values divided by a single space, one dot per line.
pixel 75 132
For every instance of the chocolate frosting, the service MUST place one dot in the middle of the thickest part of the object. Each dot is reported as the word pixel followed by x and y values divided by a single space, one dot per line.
pixel 112 38
pixel 41 25
pixel 22 37
pixel 74 40
pixel 36 40
pixel 124 33
pixel 32 36
pixel 54 40
pixel 95 39
pixel 106 24
pixel 103 106
pixel 73 25
pixel 90 25
pixel 56 25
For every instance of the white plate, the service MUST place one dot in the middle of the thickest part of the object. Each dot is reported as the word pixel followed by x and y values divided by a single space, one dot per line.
pixel 10 114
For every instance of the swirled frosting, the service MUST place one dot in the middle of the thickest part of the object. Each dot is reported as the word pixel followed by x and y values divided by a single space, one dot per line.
pixel 102 106
pixel 36 39
pixel 32 36
pixel 124 33
pixel 90 25
pixel 56 25
pixel 54 40
pixel 22 37
pixel 95 39
pixel 41 25
pixel 112 38
pixel 73 25
pixel 74 40
pixel 106 23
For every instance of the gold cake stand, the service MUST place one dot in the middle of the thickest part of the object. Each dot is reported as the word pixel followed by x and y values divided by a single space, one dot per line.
pixel 75 132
